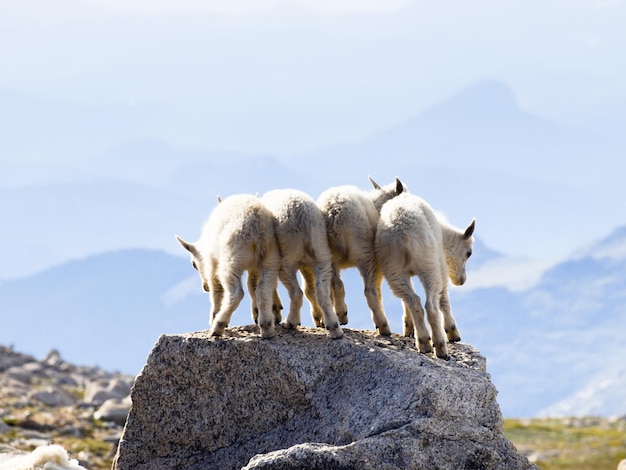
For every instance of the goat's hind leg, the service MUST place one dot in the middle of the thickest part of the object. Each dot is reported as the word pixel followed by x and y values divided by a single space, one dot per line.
pixel 253 280
pixel 402 288
pixel 338 295
pixel 373 281
pixel 309 291
pixel 267 286
pixel 321 277
pixel 289 278
pixel 407 321
pixel 268 283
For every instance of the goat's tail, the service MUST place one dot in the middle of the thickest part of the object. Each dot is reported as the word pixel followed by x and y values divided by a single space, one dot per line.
pixel 335 240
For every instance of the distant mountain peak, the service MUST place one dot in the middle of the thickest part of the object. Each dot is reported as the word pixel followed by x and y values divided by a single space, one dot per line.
pixel 491 95
pixel 611 247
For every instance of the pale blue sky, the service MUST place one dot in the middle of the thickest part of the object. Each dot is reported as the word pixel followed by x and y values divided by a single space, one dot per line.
pixel 142 91
pixel 245 6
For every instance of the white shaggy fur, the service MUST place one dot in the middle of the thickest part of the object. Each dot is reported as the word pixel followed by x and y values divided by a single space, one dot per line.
pixel 351 218
pixel 48 457
pixel 412 241
pixel 301 234
pixel 239 236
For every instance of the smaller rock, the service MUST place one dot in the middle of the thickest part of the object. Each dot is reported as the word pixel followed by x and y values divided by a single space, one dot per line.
pixel 10 358
pixel 52 396
pixel 53 358
pixel 114 410
pixel 18 374
pixel 45 456
pixel 10 387
pixel 100 390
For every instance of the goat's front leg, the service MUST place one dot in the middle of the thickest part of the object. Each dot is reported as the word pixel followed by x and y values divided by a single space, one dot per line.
pixel 277 307
pixel 449 323
pixel 233 293
pixel 434 319
pixel 217 295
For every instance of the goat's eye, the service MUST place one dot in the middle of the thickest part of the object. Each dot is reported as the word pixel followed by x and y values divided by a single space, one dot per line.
pixel 469 253
pixel 195 266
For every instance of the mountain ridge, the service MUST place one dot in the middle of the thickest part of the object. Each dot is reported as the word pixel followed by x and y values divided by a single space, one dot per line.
pixel 543 344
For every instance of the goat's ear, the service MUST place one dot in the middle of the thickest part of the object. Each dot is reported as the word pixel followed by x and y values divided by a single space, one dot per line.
pixel 374 183
pixel 219 199
pixel 470 229
pixel 399 186
pixel 187 246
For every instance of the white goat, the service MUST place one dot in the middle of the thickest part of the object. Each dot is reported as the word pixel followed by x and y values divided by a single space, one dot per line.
pixel 301 234
pixel 411 240
pixel 239 236
pixel 351 219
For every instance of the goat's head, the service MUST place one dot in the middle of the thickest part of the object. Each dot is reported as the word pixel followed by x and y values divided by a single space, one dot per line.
pixel 381 194
pixel 458 248
pixel 196 261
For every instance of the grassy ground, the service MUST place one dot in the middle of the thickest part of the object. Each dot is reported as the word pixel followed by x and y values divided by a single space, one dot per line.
pixel 552 444
pixel 91 442
pixel 570 443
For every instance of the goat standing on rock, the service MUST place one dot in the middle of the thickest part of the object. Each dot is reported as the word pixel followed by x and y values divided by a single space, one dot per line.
pixel 351 219
pixel 303 243
pixel 411 240
pixel 239 236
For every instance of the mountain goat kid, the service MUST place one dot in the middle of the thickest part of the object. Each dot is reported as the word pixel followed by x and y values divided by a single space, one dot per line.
pixel 351 218
pixel 303 243
pixel 411 240
pixel 239 236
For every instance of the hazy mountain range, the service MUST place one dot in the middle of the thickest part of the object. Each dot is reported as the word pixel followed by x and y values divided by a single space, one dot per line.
pixel 118 129
pixel 140 192
pixel 553 348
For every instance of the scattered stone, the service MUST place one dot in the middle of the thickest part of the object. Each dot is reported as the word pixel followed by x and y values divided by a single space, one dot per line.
pixel 42 403
pixel 103 389
pixel 301 400
pixel 52 396
pixel 53 457
pixel 114 409
pixel 53 359
pixel 9 358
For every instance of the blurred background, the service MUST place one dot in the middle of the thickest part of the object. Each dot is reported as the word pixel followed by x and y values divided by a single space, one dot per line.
pixel 121 121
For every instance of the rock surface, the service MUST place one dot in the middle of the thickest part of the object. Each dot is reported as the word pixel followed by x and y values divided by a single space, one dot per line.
pixel 301 400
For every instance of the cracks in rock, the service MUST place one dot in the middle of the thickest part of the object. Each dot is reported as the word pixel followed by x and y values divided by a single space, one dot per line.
pixel 391 426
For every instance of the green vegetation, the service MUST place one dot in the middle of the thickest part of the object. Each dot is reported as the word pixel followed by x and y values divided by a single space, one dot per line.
pixel 570 443
pixel 552 444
